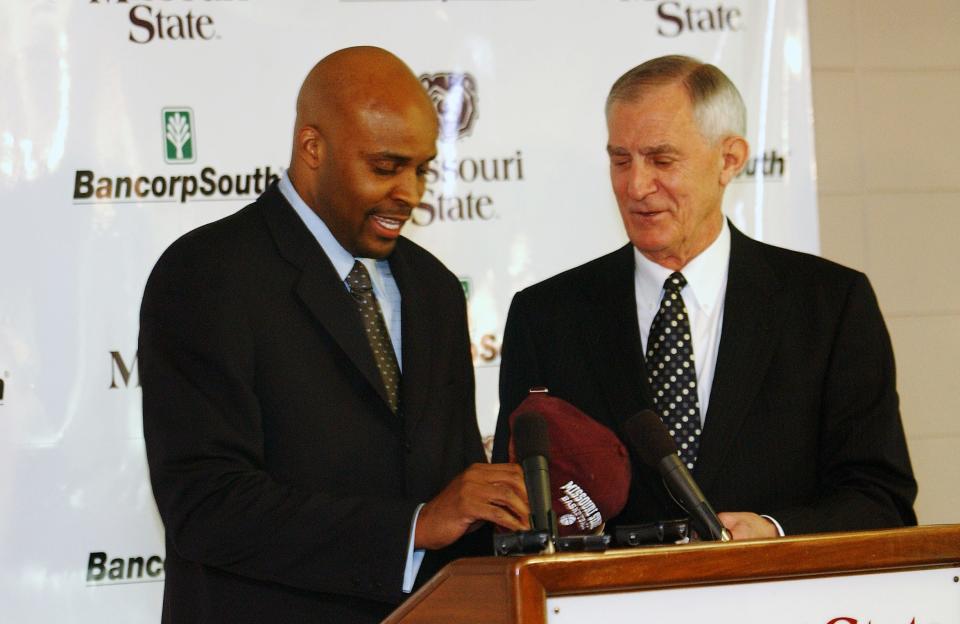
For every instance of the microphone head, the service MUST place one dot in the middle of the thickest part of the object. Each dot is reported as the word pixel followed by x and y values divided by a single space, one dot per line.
pixel 530 436
pixel 649 437
pixel 589 466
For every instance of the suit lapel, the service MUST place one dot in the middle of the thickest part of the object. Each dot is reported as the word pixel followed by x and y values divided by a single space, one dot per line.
pixel 615 355
pixel 613 338
pixel 320 288
pixel 751 321
pixel 418 317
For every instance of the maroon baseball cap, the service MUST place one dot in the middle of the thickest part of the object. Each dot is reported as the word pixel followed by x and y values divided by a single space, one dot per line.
pixel 589 466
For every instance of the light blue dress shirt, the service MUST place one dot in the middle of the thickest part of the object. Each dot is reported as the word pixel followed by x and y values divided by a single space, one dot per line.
pixel 388 297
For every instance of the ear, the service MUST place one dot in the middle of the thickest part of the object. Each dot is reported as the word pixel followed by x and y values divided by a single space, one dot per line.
pixel 734 151
pixel 310 146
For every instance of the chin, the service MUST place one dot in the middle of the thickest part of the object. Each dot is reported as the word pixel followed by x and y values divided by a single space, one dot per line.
pixel 378 251
pixel 650 244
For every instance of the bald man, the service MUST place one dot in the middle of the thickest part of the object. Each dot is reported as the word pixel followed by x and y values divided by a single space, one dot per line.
pixel 308 394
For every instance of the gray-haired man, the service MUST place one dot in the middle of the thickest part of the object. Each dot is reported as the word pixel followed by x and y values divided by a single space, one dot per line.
pixel 772 369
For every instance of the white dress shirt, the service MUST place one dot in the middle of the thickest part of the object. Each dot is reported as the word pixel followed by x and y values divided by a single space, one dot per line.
pixel 703 295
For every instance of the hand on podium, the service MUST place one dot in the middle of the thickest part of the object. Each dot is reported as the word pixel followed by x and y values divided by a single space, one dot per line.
pixel 483 492
pixel 745 525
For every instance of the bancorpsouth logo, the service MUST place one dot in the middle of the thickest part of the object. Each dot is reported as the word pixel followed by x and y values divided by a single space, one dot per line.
pixel 454 96
pixel 683 18
pixel 178 137
pixel 462 187
pixel 771 166
pixel 105 570
pixel 169 21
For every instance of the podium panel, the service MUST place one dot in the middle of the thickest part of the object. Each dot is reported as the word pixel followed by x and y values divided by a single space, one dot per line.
pixel 900 576
pixel 913 596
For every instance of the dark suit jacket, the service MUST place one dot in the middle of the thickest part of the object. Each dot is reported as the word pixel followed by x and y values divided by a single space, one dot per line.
pixel 285 483
pixel 803 422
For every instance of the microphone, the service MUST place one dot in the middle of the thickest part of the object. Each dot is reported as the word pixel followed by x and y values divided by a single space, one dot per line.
pixel 649 437
pixel 531 442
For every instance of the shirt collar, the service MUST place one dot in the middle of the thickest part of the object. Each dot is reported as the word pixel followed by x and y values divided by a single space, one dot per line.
pixel 706 274
pixel 341 259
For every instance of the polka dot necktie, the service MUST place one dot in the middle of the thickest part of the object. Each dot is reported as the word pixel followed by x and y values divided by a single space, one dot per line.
pixel 358 280
pixel 672 374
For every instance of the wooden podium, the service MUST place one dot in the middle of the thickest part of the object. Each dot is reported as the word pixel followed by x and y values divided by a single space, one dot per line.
pixel 515 589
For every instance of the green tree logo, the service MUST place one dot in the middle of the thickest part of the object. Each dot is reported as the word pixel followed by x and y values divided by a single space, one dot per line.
pixel 178 135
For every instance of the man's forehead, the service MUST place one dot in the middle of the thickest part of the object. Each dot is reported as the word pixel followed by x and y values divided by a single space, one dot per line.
pixel 653 113
pixel 655 132
pixel 391 136
pixel 413 122
pixel 658 125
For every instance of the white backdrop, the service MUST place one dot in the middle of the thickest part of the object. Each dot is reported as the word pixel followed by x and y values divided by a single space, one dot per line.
pixel 518 195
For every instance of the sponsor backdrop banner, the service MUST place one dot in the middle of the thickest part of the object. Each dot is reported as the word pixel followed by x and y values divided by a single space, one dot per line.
pixel 124 124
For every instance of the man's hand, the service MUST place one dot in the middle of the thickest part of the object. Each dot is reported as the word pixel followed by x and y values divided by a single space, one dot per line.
pixel 744 525
pixel 483 492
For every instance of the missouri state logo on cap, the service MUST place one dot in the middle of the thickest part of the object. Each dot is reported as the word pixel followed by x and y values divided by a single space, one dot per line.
pixel 589 466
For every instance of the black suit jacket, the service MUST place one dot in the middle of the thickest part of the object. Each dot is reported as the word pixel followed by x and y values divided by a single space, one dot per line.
pixel 285 483
pixel 803 422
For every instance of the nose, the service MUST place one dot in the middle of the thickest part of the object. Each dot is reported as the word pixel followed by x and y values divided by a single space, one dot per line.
pixel 642 181
pixel 409 188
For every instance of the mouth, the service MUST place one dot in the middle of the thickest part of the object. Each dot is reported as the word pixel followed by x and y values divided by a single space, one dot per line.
pixel 646 213
pixel 388 226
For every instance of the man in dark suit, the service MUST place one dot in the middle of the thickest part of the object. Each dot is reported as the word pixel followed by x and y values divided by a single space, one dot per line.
pixel 308 391
pixel 772 369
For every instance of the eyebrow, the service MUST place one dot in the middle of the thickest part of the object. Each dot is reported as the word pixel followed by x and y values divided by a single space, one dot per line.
pixel 655 150
pixel 658 150
pixel 400 159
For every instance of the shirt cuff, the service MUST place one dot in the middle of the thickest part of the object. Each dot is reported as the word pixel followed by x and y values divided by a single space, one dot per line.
pixel 775 523
pixel 415 555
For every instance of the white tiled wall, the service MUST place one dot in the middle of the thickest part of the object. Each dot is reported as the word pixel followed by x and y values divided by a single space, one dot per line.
pixel 886 92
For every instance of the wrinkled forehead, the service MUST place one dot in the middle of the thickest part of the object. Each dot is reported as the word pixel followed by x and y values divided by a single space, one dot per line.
pixel 660 115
